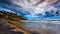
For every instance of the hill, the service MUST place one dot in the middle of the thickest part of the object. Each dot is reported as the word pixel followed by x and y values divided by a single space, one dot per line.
pixel 8 23
pixel 10 16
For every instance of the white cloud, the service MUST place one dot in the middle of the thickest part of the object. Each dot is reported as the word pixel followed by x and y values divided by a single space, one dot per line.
pixel 30 4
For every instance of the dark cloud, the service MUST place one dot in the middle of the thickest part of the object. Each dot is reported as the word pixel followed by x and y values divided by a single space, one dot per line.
pixel 5 2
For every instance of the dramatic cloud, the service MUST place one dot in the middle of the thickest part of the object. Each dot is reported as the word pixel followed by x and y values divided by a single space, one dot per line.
pixel 30 8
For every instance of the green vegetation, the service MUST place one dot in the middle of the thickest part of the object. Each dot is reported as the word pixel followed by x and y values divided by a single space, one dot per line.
pixel 10 16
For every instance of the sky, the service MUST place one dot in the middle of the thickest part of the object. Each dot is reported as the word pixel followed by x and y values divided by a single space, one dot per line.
pixel 31 9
